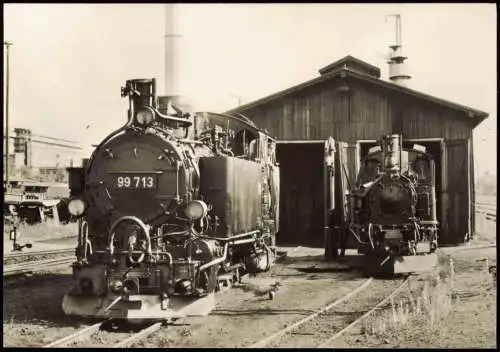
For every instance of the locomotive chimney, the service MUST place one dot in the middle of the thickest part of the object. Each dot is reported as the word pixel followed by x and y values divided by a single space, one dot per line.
pixel 391 148
pixel 141 92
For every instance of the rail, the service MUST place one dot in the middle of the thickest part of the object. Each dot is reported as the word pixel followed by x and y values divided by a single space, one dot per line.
pixel 38 253
pixel 90 330
pixel 87 332
pixel 317 315
pixel 326 343
pixel 28 267
pixel 282 332
pixel 486 209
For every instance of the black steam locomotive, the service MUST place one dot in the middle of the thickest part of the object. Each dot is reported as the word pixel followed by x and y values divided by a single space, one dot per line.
pixel 393 208
pixel 172 207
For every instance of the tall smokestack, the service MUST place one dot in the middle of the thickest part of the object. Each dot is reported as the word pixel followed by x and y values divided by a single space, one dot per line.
pixel 398 72
pixel 172 52
pixel 391 147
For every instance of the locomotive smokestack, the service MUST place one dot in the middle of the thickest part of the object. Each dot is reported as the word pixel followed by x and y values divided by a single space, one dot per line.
pixel 141 93
pixel 391 147
pixel 172 46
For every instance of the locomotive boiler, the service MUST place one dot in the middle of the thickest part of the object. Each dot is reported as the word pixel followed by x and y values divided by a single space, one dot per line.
pixel 172 207
pixel 393 208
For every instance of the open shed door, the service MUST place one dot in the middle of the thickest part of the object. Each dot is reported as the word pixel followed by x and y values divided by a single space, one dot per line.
pixel 339 214
pixel 330 196
pixel 307 190
pixel 349 163
pixel 456 193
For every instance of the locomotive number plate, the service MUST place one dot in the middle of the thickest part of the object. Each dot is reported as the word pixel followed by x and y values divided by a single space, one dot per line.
pixel 135 181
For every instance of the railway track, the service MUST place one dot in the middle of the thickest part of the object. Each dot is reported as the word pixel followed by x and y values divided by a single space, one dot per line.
pixel 328 342
pixel 113 339
pixel 487 209
pixel 320 325
pixel 485 246
pixel 37 265
pixel 97 335
pixel 20 255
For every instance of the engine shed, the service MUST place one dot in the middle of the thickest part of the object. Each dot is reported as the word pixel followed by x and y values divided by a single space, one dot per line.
pixel 351 106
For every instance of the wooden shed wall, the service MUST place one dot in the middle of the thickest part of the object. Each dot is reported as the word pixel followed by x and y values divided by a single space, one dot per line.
pixel 365 112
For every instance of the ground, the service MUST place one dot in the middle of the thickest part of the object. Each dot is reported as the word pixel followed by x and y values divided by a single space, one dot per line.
pixel 471 322
pixel 245 314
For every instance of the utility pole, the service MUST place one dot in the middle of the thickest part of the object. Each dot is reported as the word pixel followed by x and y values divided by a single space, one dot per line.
pixel 7 45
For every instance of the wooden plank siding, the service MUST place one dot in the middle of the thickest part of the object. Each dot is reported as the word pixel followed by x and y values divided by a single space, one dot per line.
pixel 457 191
pixel 365 112
pixel 360 113
pixel 427 120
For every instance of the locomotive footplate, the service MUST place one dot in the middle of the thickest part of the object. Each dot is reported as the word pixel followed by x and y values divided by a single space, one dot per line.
pixel 401 264
pixel 138 306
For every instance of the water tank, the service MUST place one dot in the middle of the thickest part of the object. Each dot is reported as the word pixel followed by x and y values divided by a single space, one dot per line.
pixel 398 70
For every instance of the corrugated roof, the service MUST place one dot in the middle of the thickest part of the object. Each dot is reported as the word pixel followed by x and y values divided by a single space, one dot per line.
pixel 478 115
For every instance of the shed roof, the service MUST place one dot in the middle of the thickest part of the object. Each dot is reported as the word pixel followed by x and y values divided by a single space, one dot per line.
pixel 353 64
pixel 336 70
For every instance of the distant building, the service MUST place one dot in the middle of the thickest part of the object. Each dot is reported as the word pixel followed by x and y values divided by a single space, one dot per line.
pixel 36 156
pixel 55 174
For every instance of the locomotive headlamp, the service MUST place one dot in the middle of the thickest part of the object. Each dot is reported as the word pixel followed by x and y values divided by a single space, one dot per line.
pixel 196 209
pixel 76 206
pixel 144 116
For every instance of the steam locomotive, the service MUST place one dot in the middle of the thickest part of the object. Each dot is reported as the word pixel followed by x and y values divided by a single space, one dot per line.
pixel 172 207
pixel 393 208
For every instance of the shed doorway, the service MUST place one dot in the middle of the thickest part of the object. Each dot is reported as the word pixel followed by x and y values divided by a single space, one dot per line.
pixel 305 182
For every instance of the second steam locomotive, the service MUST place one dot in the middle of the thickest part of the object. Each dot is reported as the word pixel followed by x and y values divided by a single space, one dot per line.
pixel 393 208
pixel 171 207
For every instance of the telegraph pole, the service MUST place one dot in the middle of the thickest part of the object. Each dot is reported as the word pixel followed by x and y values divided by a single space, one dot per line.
pixel 7 45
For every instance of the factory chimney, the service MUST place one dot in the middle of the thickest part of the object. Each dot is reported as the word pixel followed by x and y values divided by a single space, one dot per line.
pixel 398 72
pixel 172 51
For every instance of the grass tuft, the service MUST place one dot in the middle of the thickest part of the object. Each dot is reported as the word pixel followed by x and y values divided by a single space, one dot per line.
pixel 427 309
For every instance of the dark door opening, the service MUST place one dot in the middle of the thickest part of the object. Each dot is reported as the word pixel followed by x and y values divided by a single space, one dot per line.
pixel 302 204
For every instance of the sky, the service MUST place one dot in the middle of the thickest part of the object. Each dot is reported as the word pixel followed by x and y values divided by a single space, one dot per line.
pixel 69 61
